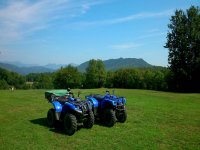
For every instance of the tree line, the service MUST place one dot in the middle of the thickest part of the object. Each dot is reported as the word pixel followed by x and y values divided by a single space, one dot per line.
pixel 183 73
pixel 95 76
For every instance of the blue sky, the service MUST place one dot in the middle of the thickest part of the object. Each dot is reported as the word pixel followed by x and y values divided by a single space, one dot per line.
pixel 73 31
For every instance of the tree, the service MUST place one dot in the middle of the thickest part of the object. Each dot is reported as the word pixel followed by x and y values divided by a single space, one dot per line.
pixel 183 42
pixel 101 73
pixel 3 85
pixel 91 75
pixel 109 79
pixel 16 80
pixel 10 79
pixel 68 77
pixel 44 81
pixel 125 78
pixel 95 74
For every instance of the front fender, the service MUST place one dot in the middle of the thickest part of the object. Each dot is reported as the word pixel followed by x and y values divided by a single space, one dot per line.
pixel 69 107
pixel 57 106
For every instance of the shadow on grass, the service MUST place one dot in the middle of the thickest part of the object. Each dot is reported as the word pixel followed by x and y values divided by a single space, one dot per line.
pixel 100 123
pixel 40 121
pixel 58 127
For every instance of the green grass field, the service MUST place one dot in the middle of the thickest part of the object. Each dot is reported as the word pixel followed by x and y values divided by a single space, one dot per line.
pixel 156 120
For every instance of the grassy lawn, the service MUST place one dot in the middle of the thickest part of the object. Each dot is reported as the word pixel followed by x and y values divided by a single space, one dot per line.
pixel 156 120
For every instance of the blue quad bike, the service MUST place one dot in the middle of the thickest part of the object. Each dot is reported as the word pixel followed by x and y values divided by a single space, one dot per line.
pixel 108 108
pixel 69 111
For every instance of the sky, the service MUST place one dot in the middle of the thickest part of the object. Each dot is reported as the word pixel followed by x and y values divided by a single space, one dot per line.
pixel 74 31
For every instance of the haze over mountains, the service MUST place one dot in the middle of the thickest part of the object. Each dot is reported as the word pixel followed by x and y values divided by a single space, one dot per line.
pixel 111 64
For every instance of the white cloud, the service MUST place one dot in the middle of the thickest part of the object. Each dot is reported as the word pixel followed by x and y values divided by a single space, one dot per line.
pixel 125 46
pixel 125 19
pixel 18 18
pixel 134 44
pixel 151 35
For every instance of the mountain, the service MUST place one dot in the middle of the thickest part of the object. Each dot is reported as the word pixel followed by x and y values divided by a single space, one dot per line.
pixel 25 70
pixel 18 64
pixel 54 66
pixel 114 64
pixel 111 64
pixel 58 66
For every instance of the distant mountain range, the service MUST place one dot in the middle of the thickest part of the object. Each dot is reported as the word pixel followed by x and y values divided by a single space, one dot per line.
pixel 25 70
pixel 111 64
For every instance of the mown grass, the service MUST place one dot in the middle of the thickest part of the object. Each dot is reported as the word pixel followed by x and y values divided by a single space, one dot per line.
pixel 156 120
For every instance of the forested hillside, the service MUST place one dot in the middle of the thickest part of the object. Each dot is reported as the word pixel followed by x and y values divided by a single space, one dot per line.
pixel 114 64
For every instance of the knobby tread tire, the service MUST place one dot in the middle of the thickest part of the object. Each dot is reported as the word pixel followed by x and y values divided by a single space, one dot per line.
pixel 70 124
pixel 89 122
pixel 109 118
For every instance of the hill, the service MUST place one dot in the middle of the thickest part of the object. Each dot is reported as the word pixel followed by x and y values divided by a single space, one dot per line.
pixel 114 64
pixel 25 70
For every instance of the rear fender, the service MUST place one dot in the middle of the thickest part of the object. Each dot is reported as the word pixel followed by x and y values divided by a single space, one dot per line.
pixel 107 103
pixel 93 101
pixel 57 106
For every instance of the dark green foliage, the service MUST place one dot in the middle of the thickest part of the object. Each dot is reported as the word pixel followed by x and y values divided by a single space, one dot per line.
pixel 11 79
pixel 40 80
pixel 95 74
pixel 16 80
pixel 155 79
pixel 125 78
pixel 4 85
pixel 45 81
pixel 183 42
pixel 33 77
pixel 67 77
pixel 109 79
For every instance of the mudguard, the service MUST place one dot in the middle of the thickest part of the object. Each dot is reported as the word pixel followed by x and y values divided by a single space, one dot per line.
pixel 57 106
pixel 121 100
pixel 72 108
pixel 107 103
pixel 68 107
pixel 94 101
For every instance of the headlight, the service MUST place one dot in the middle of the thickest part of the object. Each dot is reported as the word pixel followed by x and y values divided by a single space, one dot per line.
pixel 114 102
pixel 124 101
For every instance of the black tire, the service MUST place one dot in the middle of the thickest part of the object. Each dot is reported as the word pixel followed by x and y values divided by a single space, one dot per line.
pixel 122 116
pixel 109 118
pixel 70 124
pixel 51 117
pixel 89 122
